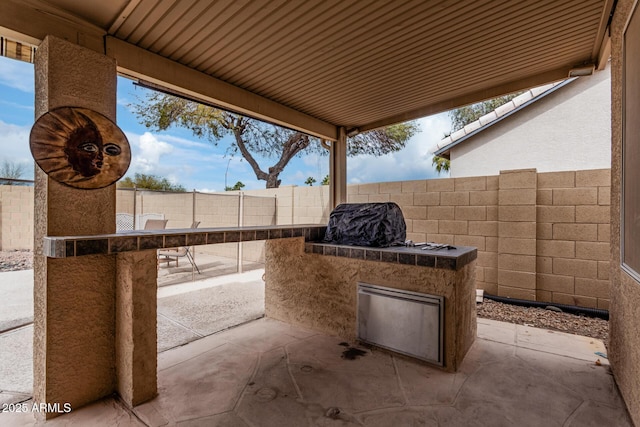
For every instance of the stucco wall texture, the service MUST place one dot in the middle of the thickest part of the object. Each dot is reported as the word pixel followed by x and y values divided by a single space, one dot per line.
pixel 320 292
pixel 74 299
pixel 566 130
pixel 136 326
pixel 624 322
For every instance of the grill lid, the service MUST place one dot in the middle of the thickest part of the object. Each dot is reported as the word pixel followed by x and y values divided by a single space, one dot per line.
pixel 366 224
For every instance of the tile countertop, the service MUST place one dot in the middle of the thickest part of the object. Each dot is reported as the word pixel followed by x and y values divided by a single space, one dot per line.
pixel 450 259
pixel 139 240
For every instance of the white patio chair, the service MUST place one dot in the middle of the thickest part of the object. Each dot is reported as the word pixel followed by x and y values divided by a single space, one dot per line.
pixel 174 254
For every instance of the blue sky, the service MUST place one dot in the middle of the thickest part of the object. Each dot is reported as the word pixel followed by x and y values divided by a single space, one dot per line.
pixel 198 164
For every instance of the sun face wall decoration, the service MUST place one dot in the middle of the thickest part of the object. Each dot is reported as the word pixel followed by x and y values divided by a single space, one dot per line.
pixel 80 148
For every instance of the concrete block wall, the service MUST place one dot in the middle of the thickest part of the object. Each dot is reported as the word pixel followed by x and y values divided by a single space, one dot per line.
pixel 298 205
pixel 540 236
pixel 517 234
pixel 125 201
pixel 212 210
pixel 176 207
pixel 311 205
pixel 218 211
pixel 457 211
pixel 16 217
pixel 573 237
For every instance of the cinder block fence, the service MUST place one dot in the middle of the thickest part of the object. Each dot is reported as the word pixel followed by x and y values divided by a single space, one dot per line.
pixel 16 217
pixel 540 236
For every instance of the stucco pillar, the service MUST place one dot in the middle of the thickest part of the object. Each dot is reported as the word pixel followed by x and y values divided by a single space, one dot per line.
pixel 74 317
pixel 338 170
pixel 136 326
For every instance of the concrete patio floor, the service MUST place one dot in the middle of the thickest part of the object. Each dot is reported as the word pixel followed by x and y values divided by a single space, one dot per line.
pixel 268 373
pixel 186 312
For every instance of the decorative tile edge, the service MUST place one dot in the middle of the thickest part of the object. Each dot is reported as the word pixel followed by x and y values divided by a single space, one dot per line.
pixel 109 244
pixel 390 255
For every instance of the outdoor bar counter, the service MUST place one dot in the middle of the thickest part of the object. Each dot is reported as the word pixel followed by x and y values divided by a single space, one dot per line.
pixel 315 285
pixel 307 282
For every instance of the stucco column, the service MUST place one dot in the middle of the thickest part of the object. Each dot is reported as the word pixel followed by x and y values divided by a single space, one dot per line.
pixel 136 326
pixel 74 317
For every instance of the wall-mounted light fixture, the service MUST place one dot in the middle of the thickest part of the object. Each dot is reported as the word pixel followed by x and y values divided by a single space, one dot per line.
pixel 582 71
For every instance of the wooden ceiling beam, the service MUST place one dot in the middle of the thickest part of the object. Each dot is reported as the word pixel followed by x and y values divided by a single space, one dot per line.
pixel 147 66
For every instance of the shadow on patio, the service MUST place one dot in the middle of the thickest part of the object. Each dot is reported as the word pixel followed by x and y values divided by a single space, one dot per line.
pixel 268 373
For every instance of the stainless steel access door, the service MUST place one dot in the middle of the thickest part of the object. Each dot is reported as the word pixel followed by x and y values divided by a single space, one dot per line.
pixel 407 322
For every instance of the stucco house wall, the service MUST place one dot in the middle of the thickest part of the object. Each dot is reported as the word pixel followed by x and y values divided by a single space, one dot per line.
pixel 569 129
pixel 624 322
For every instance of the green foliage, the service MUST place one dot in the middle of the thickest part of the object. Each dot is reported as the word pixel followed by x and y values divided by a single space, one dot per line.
pixel 149 182
pixel 441 164
pixel 238 186
pixel 463 116
pixel 310 181
pixel 325 180
pixel 253 138
pixel 378 142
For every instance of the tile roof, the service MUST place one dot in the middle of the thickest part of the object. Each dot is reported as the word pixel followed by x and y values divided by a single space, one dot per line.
pixel 505 110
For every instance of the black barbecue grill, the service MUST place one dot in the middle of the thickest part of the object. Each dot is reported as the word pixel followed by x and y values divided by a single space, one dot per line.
pixel 367 224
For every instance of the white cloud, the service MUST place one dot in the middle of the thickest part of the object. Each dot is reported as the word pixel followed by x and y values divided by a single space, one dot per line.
pixel 15 142
pixel 185 142
pixel 147 151
pixel 413 162
pixel 192 164
pixel 17 74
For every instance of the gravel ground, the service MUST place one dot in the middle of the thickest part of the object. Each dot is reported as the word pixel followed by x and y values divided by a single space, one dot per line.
pixel 540 318
pixel 537 317
pixel 15 260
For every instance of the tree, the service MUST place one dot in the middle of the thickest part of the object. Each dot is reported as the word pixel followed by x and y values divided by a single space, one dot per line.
pixel 325 180
pixel 253 138
pixel 462 116
pixel 238 186
pixel 149 182
pixel 441 164
pixel 310 181
pixel 11 170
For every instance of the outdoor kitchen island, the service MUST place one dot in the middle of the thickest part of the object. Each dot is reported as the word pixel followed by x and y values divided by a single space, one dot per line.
pixel 319 285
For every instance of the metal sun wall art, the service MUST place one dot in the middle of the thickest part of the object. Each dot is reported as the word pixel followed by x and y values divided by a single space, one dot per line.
pixel 80 148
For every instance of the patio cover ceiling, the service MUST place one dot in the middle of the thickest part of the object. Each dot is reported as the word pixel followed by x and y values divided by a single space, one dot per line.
pixel 315 65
